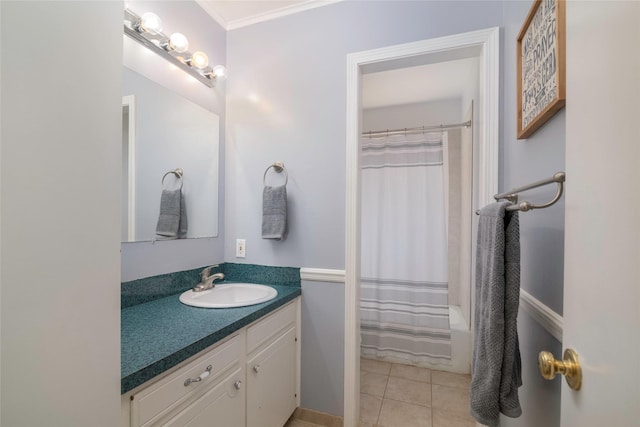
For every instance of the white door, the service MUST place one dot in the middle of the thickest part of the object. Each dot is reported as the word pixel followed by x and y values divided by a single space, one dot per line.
pixel 602 230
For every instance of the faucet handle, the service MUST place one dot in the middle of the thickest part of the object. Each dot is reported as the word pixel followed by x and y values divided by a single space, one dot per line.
pixel 206 272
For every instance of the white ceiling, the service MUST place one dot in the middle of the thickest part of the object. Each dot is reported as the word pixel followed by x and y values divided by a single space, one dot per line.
pixel 232 14
pixel 432 82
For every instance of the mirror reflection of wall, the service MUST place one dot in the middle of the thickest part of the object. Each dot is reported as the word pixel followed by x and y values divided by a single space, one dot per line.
pixel 170 132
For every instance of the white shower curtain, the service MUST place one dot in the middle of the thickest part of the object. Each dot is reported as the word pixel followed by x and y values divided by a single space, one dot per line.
pixel 404 291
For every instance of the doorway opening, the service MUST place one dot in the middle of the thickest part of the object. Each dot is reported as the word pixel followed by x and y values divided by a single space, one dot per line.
pixel 479 48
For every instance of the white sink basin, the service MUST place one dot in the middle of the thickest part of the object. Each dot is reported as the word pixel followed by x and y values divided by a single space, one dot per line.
pixel 229 295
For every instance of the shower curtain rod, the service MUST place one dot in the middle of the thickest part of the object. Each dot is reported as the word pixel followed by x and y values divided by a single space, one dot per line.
pixel 420 129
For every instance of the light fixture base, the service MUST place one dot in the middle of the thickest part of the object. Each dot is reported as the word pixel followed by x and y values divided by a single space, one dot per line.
pixel 155 44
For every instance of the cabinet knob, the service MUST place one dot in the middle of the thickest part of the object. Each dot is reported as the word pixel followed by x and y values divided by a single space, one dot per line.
pixel 237 384
pixel 202 376
pixel 256 368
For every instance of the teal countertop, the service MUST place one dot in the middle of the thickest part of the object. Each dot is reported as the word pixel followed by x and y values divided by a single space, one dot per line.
pixel 160 334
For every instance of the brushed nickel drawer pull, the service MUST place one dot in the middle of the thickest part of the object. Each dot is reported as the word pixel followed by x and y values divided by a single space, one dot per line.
pixel 202 376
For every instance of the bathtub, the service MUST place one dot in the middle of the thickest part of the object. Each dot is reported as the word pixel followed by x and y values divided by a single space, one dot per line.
pixel 460 342
pixel 460 362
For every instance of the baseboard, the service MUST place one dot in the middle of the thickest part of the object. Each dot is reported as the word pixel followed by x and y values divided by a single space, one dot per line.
pixel 317 418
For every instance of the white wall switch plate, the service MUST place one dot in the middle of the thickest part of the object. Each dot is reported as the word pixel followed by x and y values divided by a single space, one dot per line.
pixel 241 248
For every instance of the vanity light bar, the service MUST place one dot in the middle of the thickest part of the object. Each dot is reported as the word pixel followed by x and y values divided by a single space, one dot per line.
pixel 159 43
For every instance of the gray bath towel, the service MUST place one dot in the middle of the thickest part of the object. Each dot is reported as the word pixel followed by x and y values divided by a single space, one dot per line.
pixel 274 212
pixel 172 221
pixel 496 366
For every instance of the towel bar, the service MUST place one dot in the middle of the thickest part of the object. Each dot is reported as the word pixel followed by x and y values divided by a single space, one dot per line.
pixel 278 167
pixel 177 172
pixel 512 196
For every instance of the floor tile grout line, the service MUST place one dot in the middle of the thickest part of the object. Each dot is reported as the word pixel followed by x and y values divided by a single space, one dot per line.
pixel 383 395
pixel 408 403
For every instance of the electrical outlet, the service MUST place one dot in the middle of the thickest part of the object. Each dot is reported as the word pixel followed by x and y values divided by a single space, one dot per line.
pixel 241 248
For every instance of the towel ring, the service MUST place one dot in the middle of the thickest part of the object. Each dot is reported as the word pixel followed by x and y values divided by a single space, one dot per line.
pixel 278 167
pixel 177 172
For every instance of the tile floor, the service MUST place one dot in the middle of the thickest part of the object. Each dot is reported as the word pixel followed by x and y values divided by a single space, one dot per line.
pixel 393 395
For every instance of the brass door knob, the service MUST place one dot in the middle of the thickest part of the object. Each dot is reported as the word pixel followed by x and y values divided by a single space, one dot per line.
pixel 569 367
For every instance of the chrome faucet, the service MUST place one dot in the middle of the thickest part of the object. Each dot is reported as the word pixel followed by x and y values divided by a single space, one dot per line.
pixel 206 280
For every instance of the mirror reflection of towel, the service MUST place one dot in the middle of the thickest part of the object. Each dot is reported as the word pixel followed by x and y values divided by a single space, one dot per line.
pixel 274 212
pixel 172 221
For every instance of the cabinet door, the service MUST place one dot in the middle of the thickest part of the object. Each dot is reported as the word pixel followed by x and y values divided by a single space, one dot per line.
pixel 271 383
pixel 223 405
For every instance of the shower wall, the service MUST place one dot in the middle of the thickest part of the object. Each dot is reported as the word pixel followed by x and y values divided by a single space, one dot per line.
pixel 428 113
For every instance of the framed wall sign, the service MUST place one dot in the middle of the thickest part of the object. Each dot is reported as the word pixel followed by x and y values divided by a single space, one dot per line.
pixel 540 65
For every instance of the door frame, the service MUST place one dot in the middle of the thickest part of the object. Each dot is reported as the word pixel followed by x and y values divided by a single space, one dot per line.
pixel 486 150
pixel 129 102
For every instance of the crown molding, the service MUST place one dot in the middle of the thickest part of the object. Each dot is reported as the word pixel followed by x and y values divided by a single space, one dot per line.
pixel 212 12
pixel 261 17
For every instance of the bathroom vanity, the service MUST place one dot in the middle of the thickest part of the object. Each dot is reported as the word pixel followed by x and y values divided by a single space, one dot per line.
pixel 246 374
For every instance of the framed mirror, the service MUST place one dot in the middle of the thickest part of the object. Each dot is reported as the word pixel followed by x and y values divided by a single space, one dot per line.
pixel 163 132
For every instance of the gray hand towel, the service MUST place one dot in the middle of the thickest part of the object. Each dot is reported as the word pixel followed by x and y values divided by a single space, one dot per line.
pixel 169 218
pixel 496 366
pixel 182 224
pixel 274 212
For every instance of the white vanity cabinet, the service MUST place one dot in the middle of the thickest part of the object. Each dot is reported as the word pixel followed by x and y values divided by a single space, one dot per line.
pixel 249 379
pixel 195 388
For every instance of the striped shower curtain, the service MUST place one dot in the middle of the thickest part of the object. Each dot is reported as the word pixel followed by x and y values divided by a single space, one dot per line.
pixel 404 308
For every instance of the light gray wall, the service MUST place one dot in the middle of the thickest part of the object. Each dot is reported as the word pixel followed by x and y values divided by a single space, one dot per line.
pixel 60 316
pixel 322 347
pixel 146 259
pixel 432 112
pixel 541 231
pixel 286 101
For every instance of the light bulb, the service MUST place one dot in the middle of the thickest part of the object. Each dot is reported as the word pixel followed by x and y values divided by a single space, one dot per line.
pixel 219 71
pixel 151 23
pixel 178 42
pixel 199 59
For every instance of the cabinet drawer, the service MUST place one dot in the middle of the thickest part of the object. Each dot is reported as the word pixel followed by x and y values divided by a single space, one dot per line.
pixel 153 402
pixel 222 405
pixel 265 329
